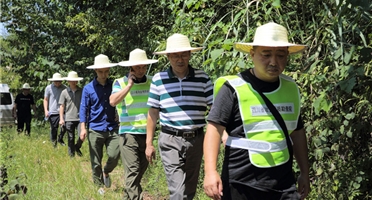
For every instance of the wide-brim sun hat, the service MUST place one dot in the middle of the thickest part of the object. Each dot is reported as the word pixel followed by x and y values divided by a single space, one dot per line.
pixel 178 43
pixel 137 57
pixel 26 86
pixel 270 35
pixel 56 77
pixel 73 76
pixel 101 61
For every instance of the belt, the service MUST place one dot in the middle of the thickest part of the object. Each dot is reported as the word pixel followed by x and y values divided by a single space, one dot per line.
pixel 182 133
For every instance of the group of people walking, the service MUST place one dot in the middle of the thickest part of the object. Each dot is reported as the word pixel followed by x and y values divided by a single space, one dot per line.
pixel 256 114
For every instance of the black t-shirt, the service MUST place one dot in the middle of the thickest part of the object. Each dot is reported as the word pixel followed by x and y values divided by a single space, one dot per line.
pixel 24 104
pixel 237 167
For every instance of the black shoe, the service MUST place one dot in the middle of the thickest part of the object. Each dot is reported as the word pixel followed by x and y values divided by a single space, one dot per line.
pixel 55 144
pixel 78 152
pixel 61 142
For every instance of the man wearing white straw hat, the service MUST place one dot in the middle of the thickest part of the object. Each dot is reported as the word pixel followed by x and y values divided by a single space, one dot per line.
pixel 98 117
pixel 179 96
pixel 22 109
pixel 51 108
pixel 129 95
pixel 260 111
pixel 69 102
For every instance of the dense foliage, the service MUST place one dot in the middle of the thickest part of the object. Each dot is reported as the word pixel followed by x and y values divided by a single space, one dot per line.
pixel 334 73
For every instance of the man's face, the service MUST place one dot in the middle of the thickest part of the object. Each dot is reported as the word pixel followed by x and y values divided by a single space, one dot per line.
pixel 57 83
pixel 269 62
pixel 180 60
pixel 102 74
pixel 139 71
pixel 72 84
pixel 26 91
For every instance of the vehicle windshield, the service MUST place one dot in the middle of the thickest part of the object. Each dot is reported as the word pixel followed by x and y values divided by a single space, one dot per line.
pixel 5 99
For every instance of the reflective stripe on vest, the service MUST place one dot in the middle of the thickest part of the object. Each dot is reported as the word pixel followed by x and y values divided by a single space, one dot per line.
pixel 265 139
pixel 133 109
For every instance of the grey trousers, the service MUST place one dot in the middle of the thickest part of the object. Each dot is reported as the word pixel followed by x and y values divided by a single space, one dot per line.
pixel 181 161
pixel 132 150
pixel 97 140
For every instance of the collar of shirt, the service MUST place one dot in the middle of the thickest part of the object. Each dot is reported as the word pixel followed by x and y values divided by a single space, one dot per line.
pixel 172 75
pixel 108 82
pixel 69 89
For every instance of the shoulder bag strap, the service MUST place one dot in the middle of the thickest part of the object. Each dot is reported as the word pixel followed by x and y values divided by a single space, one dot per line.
pixel 275 112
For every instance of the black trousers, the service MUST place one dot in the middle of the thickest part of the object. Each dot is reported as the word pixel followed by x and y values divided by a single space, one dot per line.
pixel 22 120
pixel 71 126
pixel 54 124
pixel 234 191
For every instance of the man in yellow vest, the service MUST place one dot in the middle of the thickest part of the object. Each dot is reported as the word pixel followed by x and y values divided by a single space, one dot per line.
pixel 259 152
pixel 129 95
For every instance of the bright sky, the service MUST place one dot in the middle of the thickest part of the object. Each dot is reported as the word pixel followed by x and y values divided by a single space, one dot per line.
pixel 2 30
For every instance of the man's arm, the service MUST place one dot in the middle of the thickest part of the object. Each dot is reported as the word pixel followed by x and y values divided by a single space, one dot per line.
pixel 15 110
pixel 212 141
pixel 61 114
pixel 117 97
pixel 152 118
pixel 34 109
pixel 45 103
pixel 300 152
pixel 83 111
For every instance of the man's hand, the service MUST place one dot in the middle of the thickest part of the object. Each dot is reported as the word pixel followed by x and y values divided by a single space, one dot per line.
pixel 83 134
pixel 131 78
pixel 213 185
pixel 303 185
pixel 61 122
pixel 150 153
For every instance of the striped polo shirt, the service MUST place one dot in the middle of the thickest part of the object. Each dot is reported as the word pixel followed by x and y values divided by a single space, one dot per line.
pixel 182 103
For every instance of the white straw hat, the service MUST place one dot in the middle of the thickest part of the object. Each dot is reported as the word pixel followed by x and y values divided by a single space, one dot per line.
pixel 270 35
pixel 26 86
pixel 178 43
pixel 137 57
pixel 56 77
pixel 73 76
pixel 101 61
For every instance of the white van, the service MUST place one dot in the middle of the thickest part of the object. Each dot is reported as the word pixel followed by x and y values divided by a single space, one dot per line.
pixel 6 106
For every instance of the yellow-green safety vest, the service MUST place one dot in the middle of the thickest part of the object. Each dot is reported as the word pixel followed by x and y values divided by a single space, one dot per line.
pixel 265 139
pixel 133 109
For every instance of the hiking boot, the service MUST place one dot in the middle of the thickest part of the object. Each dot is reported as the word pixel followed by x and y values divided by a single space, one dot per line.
pixel 61 142
pixel 106 180
pixel 78 152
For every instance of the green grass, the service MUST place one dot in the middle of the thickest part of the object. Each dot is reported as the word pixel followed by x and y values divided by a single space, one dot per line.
pixel 49 173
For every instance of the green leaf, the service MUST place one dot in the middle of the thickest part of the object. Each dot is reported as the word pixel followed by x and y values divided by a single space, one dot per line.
pixel 276 3
pixel 347 85
pixel 349 134
pixel 338 53
pixel 319 171
pixel 319 154
pixel 348 55
pixel 342 129
pixel 356 185
pixel 321 103
pixel 350 116
pixel 346 122
pixel 216 53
